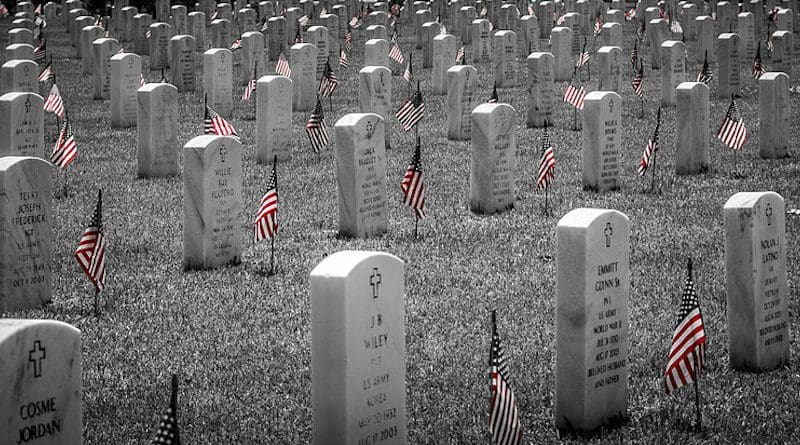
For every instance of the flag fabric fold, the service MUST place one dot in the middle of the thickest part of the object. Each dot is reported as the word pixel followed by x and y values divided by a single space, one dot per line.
pixel 575 96
pixel 411 111
pixel 732 131
pixel 91 248
pixel 266 224
pixel 54 102
pixel 66 150
pixel 316 129
pixel 687 350
pixel 650 148
pixel 504 425
pixel 412 185
pixel 547 163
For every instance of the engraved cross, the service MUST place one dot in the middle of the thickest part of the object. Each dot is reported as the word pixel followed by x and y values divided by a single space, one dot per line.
pixel 608 232
pixel 36 355
pixel 768 214
pixel 222 151
pixel 375 281
pixel 611 106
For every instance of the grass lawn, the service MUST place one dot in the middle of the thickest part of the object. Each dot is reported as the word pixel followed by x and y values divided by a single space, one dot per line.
pixel 241 341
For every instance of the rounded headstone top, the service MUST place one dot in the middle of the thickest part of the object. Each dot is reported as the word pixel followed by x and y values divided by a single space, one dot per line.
pixel 205 140
pixel 16 95
pixel 274 78
pixel 488 108
pixel 375 41
pixel 10 327
pixel 125 56
pixel 341 264
pixel 671 43
pixel 600 95
pixel 215 51
pixel 351 119
pixel 15 62
pixel 772 75
pixel 444 37
pixel 749 199
pixel 252 34
pixel 154 86
pixel 540 54
pixel 584 217
pixel 692 85
pixel 8 162
pixel 608 49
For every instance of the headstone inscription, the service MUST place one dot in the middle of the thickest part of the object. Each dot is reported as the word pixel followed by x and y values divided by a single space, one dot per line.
pixel 183 65
pixel 304 80
pixel 593 288
pixel 444 56
pixel 273 119
pixel 492 186
pixel 126 72
pixel 41 372
pixel 757 287
pixel 218 80
pixel 462 87
pixel 673 71
pixel 361 175
pixel 691 145
pixel 602 140
pixel 358 349
pixel 774 115
pixel 375 95
pixel 26 220
pixel 19 76
pixel 103 48
pixel 212 202
pixel 22 132
pixel 157 126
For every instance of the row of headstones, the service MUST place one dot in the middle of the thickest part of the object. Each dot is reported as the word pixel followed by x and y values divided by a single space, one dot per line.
pixel 358 326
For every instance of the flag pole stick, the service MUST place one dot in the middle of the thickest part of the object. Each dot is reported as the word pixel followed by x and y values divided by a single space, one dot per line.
pixel 272 255
pixel 416 225
pixel 546 200
pixel 642 99
pixel 697 395
pixel 96 303
pixel 653 184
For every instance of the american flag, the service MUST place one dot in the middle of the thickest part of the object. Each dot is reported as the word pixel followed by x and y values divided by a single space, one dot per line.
pixel 651 148
pixel 758 66
pixel 635 55
pixel 46 72
pixel 461 55
pixel 282 66
pixel 65 150
pixel 264 25
pixel 504 423
pixel 316 129
pixel 40 52
pixel 484 11
pixel 142 82
pixel 216 124
pixel 249 89
pixel 328 82
pixel 676 27
pixel 303 21
pixel 630 14
pixel 705 75
pixel 168 431
pixel 148 34
pixel 91 252
pixel 770 45
pixel 121 50
pixel 412 185
pixel 54 102
pixel 494 98
pixel 408 75
pixel 395 53
pixel 214 16
pixel 732 131
pixel 237 44
pixel 687 351
pixel 411 111
pixel 348 38
pixel 637 82
pixel 343 58
pixel 575 96
pixel 598 25
pixel 547 163
pixel 583 57
pixel 266 224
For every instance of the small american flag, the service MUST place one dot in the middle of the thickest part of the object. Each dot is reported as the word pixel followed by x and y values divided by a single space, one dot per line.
pixel 303 21
pixel 168 431
pixel 638 79
pixel 651 148
pixel 282 66
pixel 46 72
pixel 266 224
pixel 461 54
pixel 121 50
pixel 676 27
pixel 494 98
pixel 40 52
pixel 732 131
pixel 484 11
pixel 575 96
pixel 148 34
pixel 54 102
pixel 547 163
pixel 355 22
pixel 412 185
pixel 705 75
pixel 758 66
pixel 770 45
pixel 343 58
pixel 214 15
pixel 411 111
pixel 142 82
pixel 91 252
pixel 504 423
pixel 316 129
pixel 598 25
pixel 395 53
pixel 249 89
pixel 328 82
pixel 237 44
pixel 635 55
pixel 583 57
pixel 630 14
pixel 408 75
pixel 348 38
pixel 65 150
pixel 264 25
pixel 687 351
pixel 216 124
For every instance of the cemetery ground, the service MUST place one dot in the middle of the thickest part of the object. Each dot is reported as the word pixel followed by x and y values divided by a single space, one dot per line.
pixel 240 339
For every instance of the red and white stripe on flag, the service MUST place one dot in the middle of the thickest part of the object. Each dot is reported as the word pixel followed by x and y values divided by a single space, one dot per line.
pixel 266 224
pixel 686 355
pixel 547 167
pixel 575 96
pixel 414 190
pixel 54 102
pixel 91 256
pixel 503 418
pixel 733 133
pixel 644 163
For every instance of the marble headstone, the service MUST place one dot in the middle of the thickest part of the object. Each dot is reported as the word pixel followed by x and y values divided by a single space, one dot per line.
pixel 304 79
pixel 462 87
pixel 541 90
pixel 19 76
pixel 218 80
pixel 183 65
pixel 157 128
pixel 602 140
pixel 774 115
pixel 22 131
pixel 126 72
pixel 273 119
pixel 492 183
pixel 691 145
pixel 375 95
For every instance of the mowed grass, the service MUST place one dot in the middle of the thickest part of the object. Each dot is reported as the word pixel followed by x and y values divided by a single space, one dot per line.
pixel 241 340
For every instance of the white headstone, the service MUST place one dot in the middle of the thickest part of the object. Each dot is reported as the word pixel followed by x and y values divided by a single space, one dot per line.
pixel 492 183
pixel 602 140
pixel 157 127
pixel 273 119
pixel 126 72
pixel 691 145
pixel 22 131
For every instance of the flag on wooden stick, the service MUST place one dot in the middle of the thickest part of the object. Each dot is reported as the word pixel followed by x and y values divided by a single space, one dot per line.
pixel 328 82
pixel 282 66
pixel 575 96
pixel 91 254
pixel 758 66
pixel 316 129
pixel 168 431
pixel 651 148
pixel 638 80
pixel 266 224
pixel 411 111
pixel 395 53
pixel 504 425
pixel 412 185
pixel 547 163
pixel 54 102
pixel 705 75
pixel 216 124
pixel 732 131
pixel 65 151
pixel 46 72
pixel 687 351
